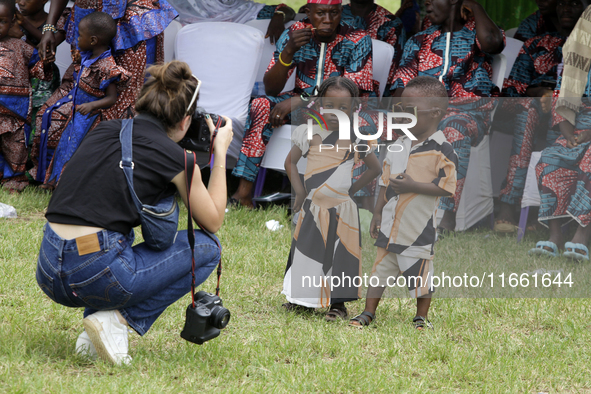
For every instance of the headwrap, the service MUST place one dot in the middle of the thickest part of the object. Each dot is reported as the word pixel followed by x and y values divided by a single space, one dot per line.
pixel 325 2
pixel 577 61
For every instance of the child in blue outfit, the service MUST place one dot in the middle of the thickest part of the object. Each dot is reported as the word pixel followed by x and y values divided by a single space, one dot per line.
pixel 89 87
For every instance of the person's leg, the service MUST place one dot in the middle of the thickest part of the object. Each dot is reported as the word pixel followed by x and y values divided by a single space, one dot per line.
pixel 160 278
pixel 13 156
pixel 253 147
pixel 463 132
pixel 526 122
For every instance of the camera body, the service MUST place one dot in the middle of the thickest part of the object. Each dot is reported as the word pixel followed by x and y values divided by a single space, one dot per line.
pixel 205 321
pixel 198 137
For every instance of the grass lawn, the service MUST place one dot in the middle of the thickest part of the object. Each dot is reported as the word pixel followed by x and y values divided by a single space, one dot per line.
pixel 478 345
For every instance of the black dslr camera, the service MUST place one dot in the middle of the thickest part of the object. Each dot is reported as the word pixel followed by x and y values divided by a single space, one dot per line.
pixel 205 321
pixel 198 137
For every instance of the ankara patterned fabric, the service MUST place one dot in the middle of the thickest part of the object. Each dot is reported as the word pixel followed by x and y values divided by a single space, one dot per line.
pixel 349 55
pixel 268 11
pixel 18 63
pixel 564 174
pixel 466 72
pixel 61 127
pixel 537 62
pixel 138 43
pixel 381 25
pixel 533 26
pixel 326 240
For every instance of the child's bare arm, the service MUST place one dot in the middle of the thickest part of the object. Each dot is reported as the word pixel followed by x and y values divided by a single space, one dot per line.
pixel 291 169
pixel 105 102
pixel 403 183
pixel 376 221
pixel 373 170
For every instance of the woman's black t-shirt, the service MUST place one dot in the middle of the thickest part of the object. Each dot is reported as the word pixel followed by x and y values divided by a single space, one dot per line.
pixel 92 190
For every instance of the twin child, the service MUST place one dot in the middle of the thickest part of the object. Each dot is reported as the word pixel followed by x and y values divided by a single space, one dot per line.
pixel 89 86
pixel 327 241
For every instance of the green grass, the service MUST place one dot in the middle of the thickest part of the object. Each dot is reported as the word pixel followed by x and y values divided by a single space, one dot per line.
pixel 479 344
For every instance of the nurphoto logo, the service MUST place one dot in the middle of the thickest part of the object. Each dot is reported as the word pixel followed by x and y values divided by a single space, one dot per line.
pixel 345 128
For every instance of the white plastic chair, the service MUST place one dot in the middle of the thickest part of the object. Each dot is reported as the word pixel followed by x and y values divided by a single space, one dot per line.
pixel 382 61
pixel 169 38
pixel 225 57
pixel 511 52
pixel 267 55
pixel 511 32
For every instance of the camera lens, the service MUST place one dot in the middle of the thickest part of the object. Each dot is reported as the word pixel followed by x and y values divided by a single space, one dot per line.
pixel 220 317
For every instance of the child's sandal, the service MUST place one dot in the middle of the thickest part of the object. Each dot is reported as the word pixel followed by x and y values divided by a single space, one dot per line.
pixel 421 323
pixel 362 320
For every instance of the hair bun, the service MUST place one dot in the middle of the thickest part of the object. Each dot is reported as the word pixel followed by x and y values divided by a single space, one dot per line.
pixel 171 75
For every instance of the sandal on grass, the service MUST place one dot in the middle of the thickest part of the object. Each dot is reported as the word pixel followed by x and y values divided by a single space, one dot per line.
pixel 336 313
pixel 544 248
pixel 362 320
pixel 574 251
pixel 504 226
pixel 421 323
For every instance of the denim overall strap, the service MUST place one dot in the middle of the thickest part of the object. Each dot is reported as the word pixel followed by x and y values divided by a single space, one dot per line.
pixel 126 164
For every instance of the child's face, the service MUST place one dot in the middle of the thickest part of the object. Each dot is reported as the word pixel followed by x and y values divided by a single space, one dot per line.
pixel 30 7
pixel 336 98
pixel 438 11
pixel 427 115
pixel 84 38
pixel 6 19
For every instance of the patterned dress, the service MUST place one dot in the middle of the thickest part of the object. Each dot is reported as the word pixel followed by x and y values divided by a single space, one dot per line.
pixel 533 26
pixel 326 240
pixel 268 11
pixel 349 55
pixel 564 174
pixel 537 62
pixel 61 127
pixel 18 63
pixel 457 60
pixel 138 43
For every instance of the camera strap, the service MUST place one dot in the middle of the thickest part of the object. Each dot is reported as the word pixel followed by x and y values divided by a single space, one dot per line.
pixel 215 133
pixel 190 164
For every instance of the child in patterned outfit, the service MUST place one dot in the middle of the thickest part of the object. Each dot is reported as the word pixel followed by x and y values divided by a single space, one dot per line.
pixel 19 62
pixel 412 181
pixel 326 241
pixel 89 88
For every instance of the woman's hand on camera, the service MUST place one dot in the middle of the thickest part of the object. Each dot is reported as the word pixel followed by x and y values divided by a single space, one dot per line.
pixel 223 138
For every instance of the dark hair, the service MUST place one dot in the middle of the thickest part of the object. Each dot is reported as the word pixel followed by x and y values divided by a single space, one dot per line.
pixel 341 83
pixel 167 93
pixel 102 25
pixel 432 89
pixel 10 4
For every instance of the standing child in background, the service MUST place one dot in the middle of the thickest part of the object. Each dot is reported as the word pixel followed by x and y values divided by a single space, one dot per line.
pixel 413 179
pixel 326 240
pixel 18 63
pixel 76 107
pixel 30 18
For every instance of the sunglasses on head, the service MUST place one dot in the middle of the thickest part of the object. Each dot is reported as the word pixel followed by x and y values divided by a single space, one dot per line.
pixel 194 95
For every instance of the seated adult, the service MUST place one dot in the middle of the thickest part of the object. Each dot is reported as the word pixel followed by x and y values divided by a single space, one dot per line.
pixel 534 74
pixel 86 258
pixel 542 21
pixel 410 15
pixel 319 42
pixel 237 11
pixel 380 24
pixel 564 169
pixel 455 49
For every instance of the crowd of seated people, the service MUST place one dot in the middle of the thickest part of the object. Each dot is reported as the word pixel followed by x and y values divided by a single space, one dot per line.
pixel 454 43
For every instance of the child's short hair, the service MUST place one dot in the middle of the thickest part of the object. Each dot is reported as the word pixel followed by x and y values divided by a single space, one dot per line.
pixel 10 5
pixel 102 25
pixel 431 88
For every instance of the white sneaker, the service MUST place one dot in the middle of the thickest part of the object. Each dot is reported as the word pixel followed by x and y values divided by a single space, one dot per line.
pixel 84 346
pixel 108 336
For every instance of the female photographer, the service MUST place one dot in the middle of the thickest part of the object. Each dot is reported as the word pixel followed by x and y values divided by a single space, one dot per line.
pixel 86 257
